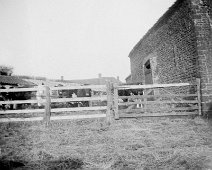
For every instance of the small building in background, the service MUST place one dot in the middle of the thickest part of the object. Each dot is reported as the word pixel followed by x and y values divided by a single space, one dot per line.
pixel 94 81
pixel 8 82
pixel 14 82
pixel 128 79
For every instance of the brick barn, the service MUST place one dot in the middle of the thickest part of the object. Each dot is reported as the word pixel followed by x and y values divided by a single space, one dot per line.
pixel 178 48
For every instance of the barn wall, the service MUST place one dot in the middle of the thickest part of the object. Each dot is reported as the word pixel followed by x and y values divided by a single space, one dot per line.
pixel 179 47
pixel 171 47
pixel 202 18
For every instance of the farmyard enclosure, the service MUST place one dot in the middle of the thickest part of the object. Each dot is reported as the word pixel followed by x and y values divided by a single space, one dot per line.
pixel 145 143
pixel 160 126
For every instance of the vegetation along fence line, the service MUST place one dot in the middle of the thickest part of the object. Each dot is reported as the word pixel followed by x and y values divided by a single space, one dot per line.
pixel 150 96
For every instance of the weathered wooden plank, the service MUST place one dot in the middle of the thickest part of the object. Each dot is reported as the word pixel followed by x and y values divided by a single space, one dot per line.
pixel 19 101
pixel 18 90
pixel 47 113
pixel 78 117
pixel 109 103
pixel 199 96
pixel 115 98
pixel 157 114
pixel 156 102
pixel 103 98
pixel 79 87
pixel 152 86
pixel 167 110
pixel 54 110
pixel 21 119
pixel 183 108
pixel 155 96
pixel 73 109
pixel 54 88
pixel 131 108
pixel 22 111
pixel 71 117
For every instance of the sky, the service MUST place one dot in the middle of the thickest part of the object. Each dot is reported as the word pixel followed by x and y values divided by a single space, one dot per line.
pixel 77 39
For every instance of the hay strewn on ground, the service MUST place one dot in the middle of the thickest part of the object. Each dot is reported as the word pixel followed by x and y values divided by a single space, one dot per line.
pixel 149 143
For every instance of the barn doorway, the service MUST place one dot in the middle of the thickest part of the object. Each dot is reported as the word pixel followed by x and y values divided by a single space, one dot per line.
pixel 148 79
pixel 148 72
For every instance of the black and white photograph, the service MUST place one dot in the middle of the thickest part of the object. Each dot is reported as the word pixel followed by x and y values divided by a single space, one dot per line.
pixel 105 84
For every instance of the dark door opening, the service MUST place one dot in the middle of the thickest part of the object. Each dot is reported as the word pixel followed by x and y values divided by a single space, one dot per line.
pixel 148 73
pixel 148 79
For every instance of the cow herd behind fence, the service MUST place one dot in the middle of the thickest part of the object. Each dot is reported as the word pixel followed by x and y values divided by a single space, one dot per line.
pixel 39 95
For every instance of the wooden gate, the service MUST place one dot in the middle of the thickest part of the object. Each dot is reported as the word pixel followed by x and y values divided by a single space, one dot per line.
pixel 158 100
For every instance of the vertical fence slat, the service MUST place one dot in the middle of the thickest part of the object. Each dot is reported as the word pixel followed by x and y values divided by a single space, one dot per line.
pixel 116 102
pixel 47 113
pixel 199 96
pixel 91 102
pixel 109 103
pixel 145 102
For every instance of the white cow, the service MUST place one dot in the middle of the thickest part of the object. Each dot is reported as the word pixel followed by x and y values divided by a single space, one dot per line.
pixel 40 94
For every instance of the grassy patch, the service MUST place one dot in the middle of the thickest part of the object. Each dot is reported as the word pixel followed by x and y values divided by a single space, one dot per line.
pixel 150 143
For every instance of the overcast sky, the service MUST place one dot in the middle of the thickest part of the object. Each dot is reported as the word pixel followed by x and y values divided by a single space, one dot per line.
pixel 74 38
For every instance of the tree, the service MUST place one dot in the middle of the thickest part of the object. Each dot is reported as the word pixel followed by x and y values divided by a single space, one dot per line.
pixel 6 70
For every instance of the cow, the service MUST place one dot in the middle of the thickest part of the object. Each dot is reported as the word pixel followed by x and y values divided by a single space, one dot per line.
pixel 10 96
pixel 131 92
pixel 20 96
pixel 2 98
pixel 84 93
pixel 74 93
pixel 40 95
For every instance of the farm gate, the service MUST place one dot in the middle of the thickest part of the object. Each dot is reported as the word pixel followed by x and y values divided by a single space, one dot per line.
pixel 157 100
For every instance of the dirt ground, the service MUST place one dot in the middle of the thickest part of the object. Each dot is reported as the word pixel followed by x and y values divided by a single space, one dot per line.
pixel 127 144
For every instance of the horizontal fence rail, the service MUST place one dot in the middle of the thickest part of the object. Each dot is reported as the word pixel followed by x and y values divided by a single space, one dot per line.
pixel 98 87
pixel 103 98
pixel 20 101
pixel 18 90
pixel 148 86
pixel 74 109
pixel 54 118
pixel 158 102
pixel 155 96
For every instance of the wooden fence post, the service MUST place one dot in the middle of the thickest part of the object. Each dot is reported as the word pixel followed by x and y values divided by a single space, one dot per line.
pixel 199 96
pixel 90 102
pixel 145 101
pixel 109 103
pixel 115 100
pixel 47 113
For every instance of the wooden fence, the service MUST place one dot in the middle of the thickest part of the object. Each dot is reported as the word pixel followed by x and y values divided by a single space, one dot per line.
pixel 174 104
pixel 158 100
pixel 47 100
